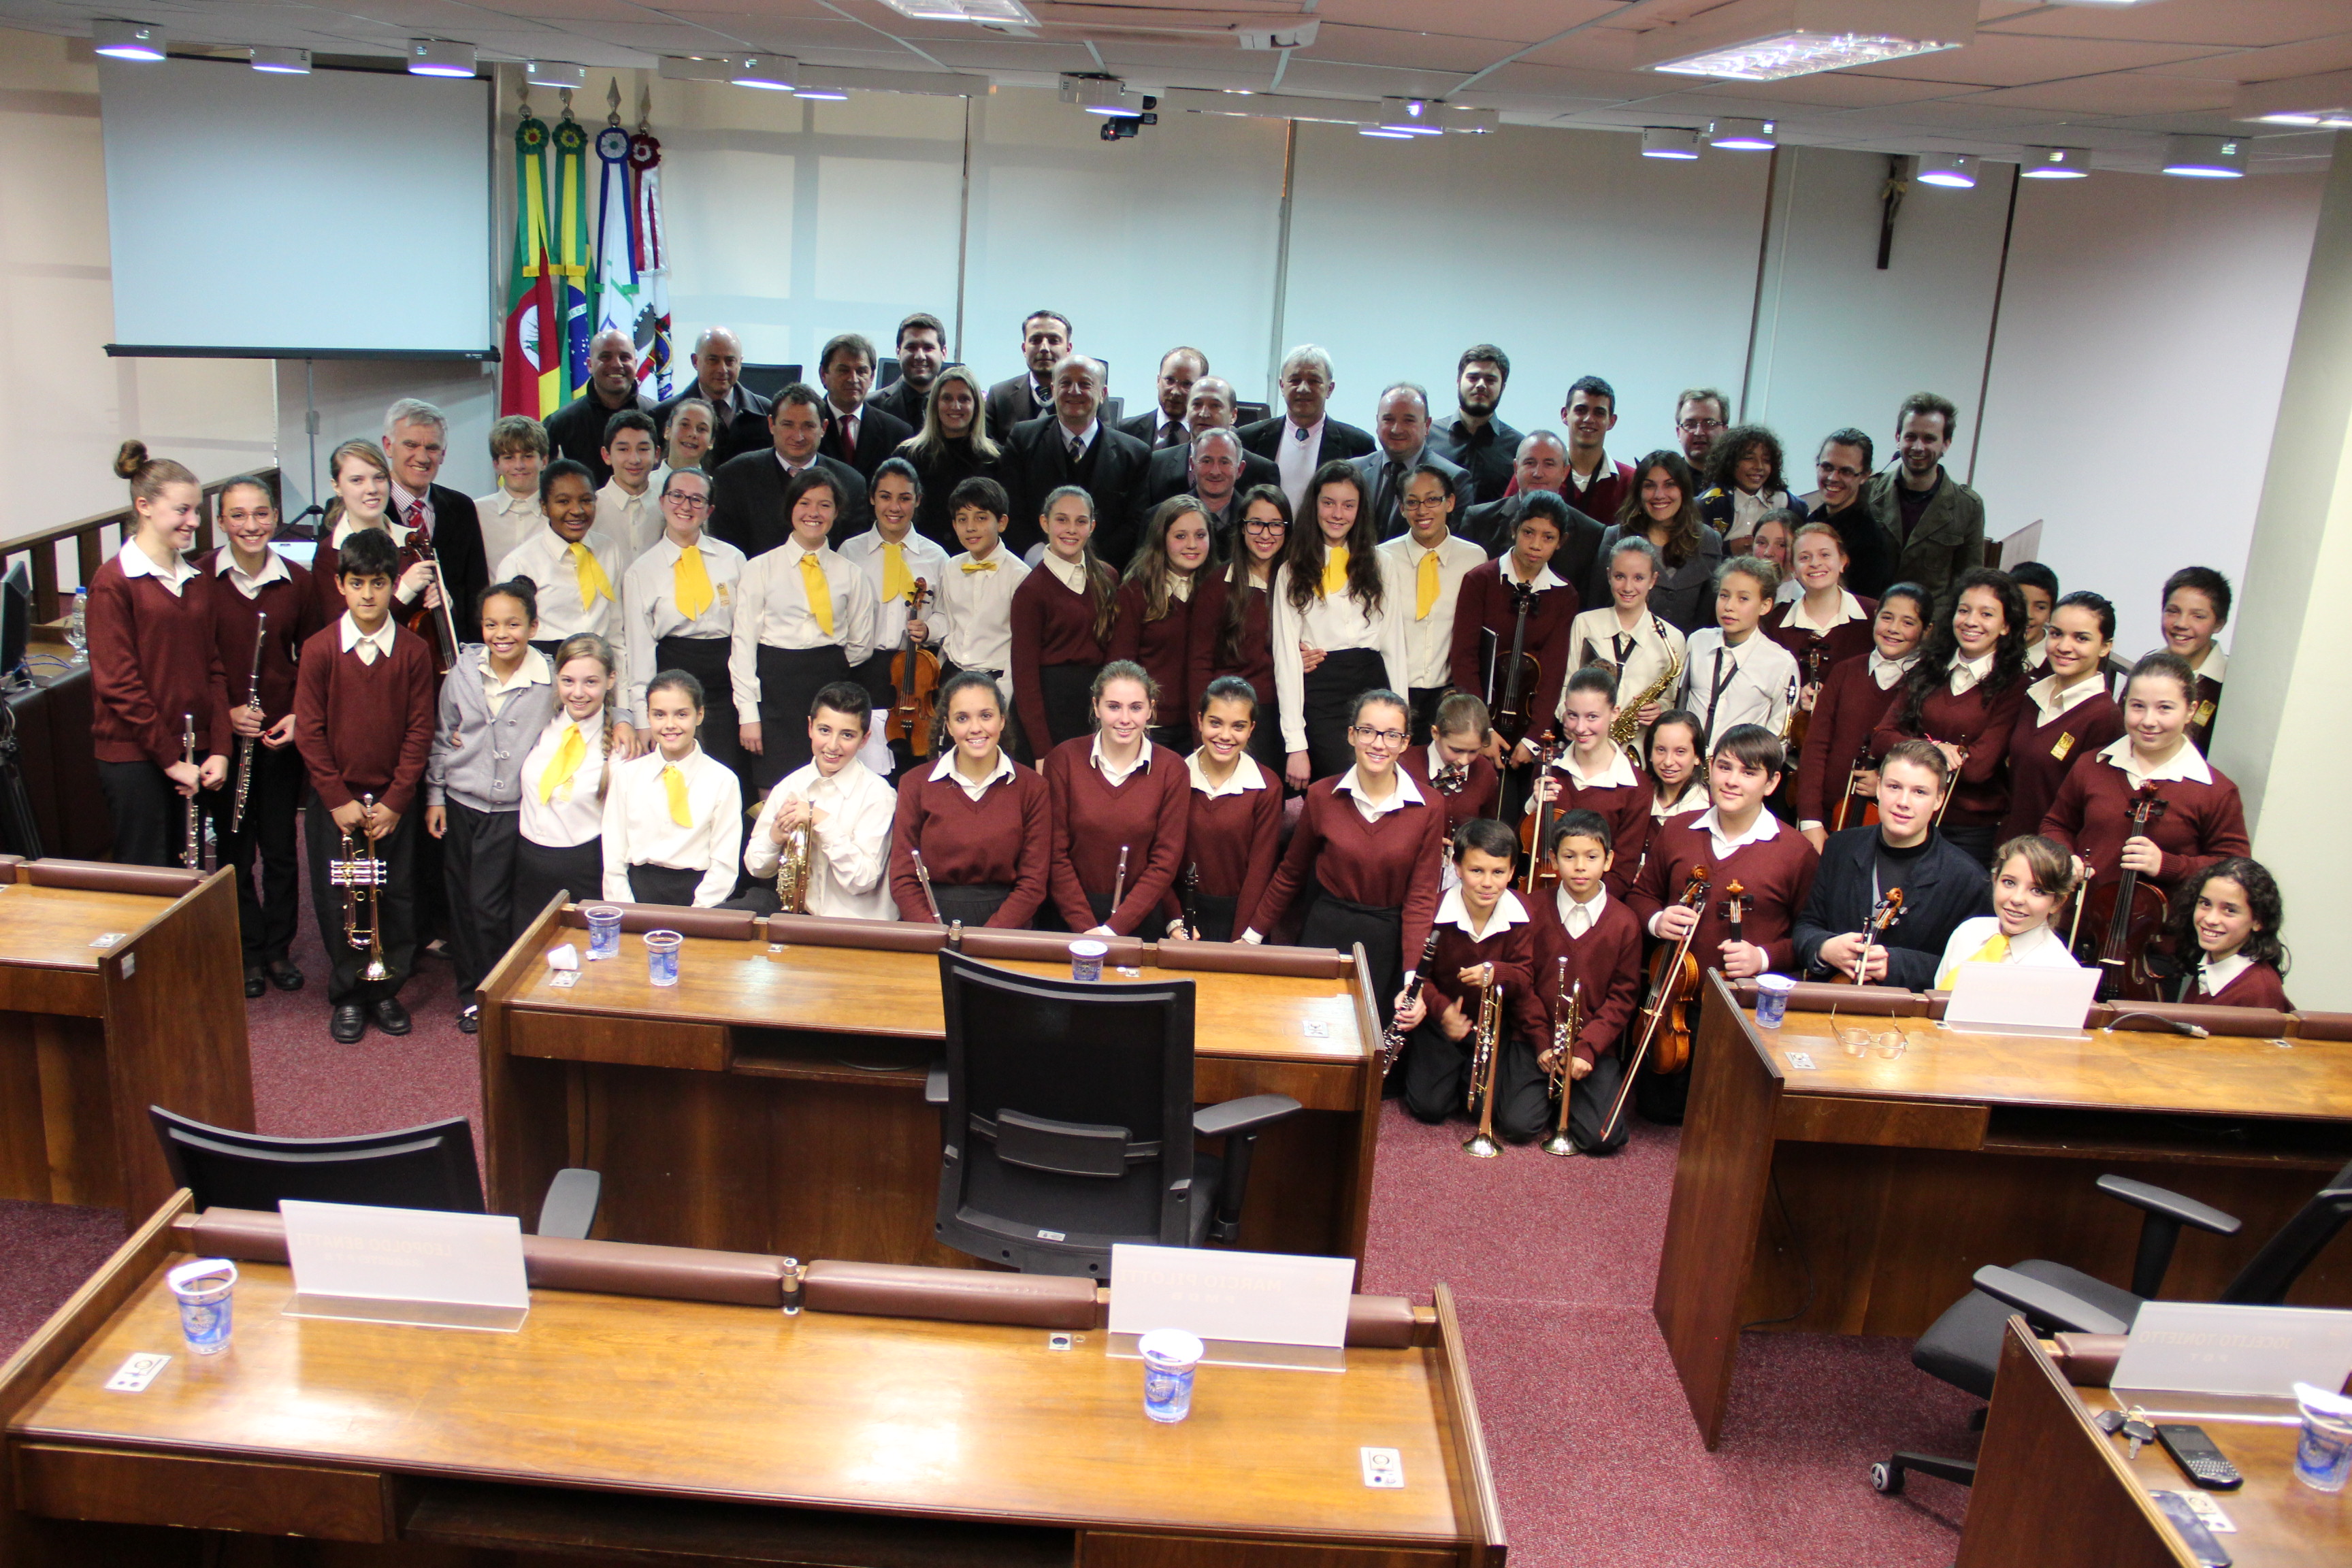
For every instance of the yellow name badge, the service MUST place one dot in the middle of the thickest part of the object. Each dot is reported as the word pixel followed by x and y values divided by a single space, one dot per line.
pixel 2204 715
pixel 2065 744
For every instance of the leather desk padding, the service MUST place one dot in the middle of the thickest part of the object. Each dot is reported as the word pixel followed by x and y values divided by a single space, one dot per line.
pixel 951 1295
pixel 1820 996
pixel 873 936
pixel 724 925
pixel 2256 1022
pixel 2323 1025
pixel 105 877
pixel 1249 958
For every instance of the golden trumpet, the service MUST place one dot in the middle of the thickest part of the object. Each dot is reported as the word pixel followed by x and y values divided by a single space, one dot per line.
pixel 359 871
pixel 1567 1020
pixel 1484 1051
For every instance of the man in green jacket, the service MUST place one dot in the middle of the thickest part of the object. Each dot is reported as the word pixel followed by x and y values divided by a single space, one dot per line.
pixel 1934 525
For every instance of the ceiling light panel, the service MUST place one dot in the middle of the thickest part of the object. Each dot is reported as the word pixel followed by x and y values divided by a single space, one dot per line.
pixel 1004 10
pixel 126 40
pixel 440 57
pixel 1773 40
pixel 2312 102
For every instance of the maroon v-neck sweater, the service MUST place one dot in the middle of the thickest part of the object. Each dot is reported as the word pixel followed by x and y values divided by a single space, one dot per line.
pixel 1607 962
pixel 1388 863
pixel 1006 836
pixel 1094 818
pixel 1233 840
pixel 1776 875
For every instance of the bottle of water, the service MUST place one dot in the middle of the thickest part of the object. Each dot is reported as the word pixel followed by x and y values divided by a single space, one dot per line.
pixel 78 623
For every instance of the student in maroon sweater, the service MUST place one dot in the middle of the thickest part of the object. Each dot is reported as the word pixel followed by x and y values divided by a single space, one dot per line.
pixel 1587 946
pixel 1120 810
pixel 363 723
pixel 1837 756
pixel 1232 821
pixel 152 665
pixel 1373 842
pixel 1230 630
pixel 1454 764
pixel 1061 617
pixel 1485 938
pixel 2203 819
pixel 2067 713
pixel 1595 774
pixel 1489 603
pixel 260 602
pixel 980 822
pixel 2225 927
pixel 1964 694
pixel 1153 623
pixel 1826 625
pixel 2196 608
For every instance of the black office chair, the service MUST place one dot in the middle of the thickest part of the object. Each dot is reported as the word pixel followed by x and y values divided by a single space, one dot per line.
pixel 428 1167
pixel 1963 1346
pixel 1070 1126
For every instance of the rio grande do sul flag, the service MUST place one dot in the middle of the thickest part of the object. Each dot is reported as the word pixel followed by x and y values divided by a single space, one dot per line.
pixel 530 370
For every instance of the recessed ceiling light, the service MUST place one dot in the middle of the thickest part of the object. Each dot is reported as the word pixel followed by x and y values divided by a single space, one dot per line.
pixel 1768 40
pixel 1669 142
pixel 2205 157
pixel 1011 11
pixel 769 73
pixel 820 94
pixel 1954 171
pixel 126 40
pixel 281 61
pixel 2055 164
pixel 1385 134
pixel 1410 117
pixel 1800 54
pixel 2320 102
pixel 1743 136
pixel 555 73
pixel 440 57
pixel 1102 95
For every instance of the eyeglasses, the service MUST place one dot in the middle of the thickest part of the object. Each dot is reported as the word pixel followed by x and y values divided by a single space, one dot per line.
pixel 1695 425
pixel 1263 525
pixel 685 502
pixel 1423 503
pixel 1836 470
pixel 1383 737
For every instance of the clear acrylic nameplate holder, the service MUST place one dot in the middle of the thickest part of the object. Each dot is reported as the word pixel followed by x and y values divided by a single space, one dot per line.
pixel 1249 1308
pixel 423 1267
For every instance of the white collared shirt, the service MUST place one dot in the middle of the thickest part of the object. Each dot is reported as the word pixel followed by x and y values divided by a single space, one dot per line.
pixel 2215 977
pixel 547 560
pixel 1766 826
pixel 1849 609
pixel 1968 673
pixel 1334 622
pixel 1577 919
pixel 632 523
pixel 2039 946
pixel 1692 799
pixel 1758 681
pixel 1115 776
pixel 650 611
pixel 2184 765
pixel 1071 574
pixel 576 813
pixel 1580 483
pixel 533 670
pixel 346 527
pixel 507 520
pixel 1885 672
pixel 849 851
pixel 867 552
pixel 273 570
pixel 2037 655
pixel 2214 667
pixel 401 499
pixel 848 420
pixel 1429 640
pixel 372 645
pixel 1638 656
pixel 2051 703
pixel 1371 810
pixel 1546 579
pixel 1618 774
pixel 136 562
pixel 1246 776
pixel 771 610
pixel 945 768
pixel 1298 456
pixel 978 609
pixel 640 831
pixel 1453 909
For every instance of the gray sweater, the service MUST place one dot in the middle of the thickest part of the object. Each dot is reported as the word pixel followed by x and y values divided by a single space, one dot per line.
pixel 478 756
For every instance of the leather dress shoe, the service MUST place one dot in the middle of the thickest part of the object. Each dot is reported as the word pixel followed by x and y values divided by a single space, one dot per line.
pixel 255 985
pixel 284 975
pixel 391 1017
pixel 349 1023
pixel 469 1019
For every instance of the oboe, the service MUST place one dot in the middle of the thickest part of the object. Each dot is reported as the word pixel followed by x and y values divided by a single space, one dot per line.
pixel 247 744
pixel 191 849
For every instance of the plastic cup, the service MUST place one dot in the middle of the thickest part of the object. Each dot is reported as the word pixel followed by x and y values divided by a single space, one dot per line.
pixel 661 957
pixel 1169 1357
pixel 1086 964
pixel 603 930
pixel 205 1290
pixel 2323 1456
pixel 1772 999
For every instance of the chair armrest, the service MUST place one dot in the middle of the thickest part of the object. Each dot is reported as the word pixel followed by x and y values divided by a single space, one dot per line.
pixel 934 1086
pixel 1246 1115
pixel 570 1208
pixel 2171 1205
pixel 2044 1303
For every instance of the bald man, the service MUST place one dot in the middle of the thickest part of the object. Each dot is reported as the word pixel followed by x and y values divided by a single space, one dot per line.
pixel 1541 464
pixel 576 430
pixel 742 423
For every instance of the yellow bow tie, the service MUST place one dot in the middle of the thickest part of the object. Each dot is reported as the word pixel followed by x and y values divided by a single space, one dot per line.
pixel 1992 951
pixel 987 565
pixel 1335 570
pixel 897 583
pixel 674 783
pixel 819 592
pixel 1424 597
pixel 690 584
pixel 593 580
pixel 569 752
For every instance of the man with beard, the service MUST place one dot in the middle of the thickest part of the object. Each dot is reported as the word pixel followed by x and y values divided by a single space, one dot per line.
pixel 1841 467
pixel 922 354
pixel 1472 437
pixel 1046 338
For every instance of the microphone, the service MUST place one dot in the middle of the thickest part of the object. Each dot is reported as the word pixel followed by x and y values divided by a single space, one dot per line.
pixel 2177 1026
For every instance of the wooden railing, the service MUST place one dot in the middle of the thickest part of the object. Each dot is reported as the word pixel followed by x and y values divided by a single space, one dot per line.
pixel 92 545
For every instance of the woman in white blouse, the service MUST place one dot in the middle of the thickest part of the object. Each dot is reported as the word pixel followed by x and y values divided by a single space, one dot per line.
pixel 672 818
pixel 1337 616
pixel 802 615
pixel 2034 880
pixel 564 780
pixel 677 604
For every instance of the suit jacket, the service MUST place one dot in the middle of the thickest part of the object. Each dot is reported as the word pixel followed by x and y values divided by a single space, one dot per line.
pixel 1945 887
pixel 1387 511
pixel 900 401
pixel 1490 454
pixel 458 545
pixel 1169 474
pixel 1010 402
pixel 878 435
pixel 740 430
pixel 576 430
pixel 1869 550
pixel 1145 426
pixel 1037 462
pixel 1339 441
pixel 1578 562
pixel 748 501
pixel 1948 540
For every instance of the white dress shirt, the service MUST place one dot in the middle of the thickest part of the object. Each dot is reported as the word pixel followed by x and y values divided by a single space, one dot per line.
pixel 2049 701
pixel 507 520
pixel 1968 674
pixel 1299 457
pixel 136 562
pixel 1758 679
pixel 1765 827
pixel 631 521
pixel 1577 919
pixel 547 560
pixel 639 830
pixel 1429 641
pixel 849 851
pixel 978 609
pixel 1692 799
pixel 1453 909
pixel 403 502
pixel 771 610
pixel 1616 773
pixel 2039 947
pixel 1639 655
pixel 1247 775
pixel 649 609
pixel 1114 775
pixel 1334 622
pixel 2215 977
pixel 1885 672
pixel 1849 608
pixel 370 645
pixel 273 570
pixel 924 560
pixel 2184 765
pixel 1397 799
pixel 945 768
pixel 575 814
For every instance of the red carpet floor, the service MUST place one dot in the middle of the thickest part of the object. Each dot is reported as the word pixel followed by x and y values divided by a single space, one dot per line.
pixel 1552 1261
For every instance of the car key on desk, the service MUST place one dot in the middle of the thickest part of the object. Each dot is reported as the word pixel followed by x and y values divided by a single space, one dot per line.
pixel 2133 1424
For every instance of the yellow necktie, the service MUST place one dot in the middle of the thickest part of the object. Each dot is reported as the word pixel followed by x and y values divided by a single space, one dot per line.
pixel 569 752
pixel 690 584
pixel 987 565
pixel 819 592
pixel 1426 587
pixel 897 583
pixel 593 580
pixel 674 783
pixel 1992 951
pixel 1335 570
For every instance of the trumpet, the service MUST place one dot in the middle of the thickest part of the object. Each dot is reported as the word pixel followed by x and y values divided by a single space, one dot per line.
pixel 1628 723
pixel 360 872
pixel 247 746
pixel 1483 1055
pixel 191 848
pixel 1567 1020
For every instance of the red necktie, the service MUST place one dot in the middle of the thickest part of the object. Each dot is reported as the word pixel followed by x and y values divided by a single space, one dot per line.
pixel 417 522
pixel 849 436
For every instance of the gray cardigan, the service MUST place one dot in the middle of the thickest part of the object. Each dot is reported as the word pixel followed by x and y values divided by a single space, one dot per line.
pixel 478 757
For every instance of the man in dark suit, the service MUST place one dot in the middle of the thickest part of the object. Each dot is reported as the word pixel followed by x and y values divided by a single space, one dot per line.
pixel 1045 339
pixel 1842 469
pixel 1542 468
pixel 1933 524
pixel 1213 468
pixel 747 506
pixel 922 354
pixel 1167 424
pixel 1942 886
pixel 1471 435
pixel 576 430
pixel 855 432
pixel 415 440
pixel 740 422
pixel 1075 447
pixel 1402 429
pixel 1303 436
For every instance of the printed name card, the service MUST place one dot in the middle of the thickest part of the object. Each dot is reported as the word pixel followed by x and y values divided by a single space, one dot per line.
pixel 1252 1309
pixel 405 1266
pixel 2227 1354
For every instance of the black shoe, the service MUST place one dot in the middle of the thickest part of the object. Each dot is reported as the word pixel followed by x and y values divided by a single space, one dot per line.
pixel 469 1020
pixel 350 1024
pixel 255 985
pixel 391 1017
pixel 283 975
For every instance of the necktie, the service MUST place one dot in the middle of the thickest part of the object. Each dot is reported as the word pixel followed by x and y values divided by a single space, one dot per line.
pixel 1297 434
pixel 1335 570
pixel 416 520
pixel 690 584
pixel 1424 585
pixel 674 785
pixel 1078 449
pixel 593 580
pixel 569 752
pixel 1385 502
pixel 1172 433
pixel 1992 951
pixel 897 583
pixel 848 434
pixel 819 592
pixel 987 565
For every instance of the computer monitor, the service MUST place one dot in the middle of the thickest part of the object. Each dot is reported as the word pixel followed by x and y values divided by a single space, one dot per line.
pixel 16 619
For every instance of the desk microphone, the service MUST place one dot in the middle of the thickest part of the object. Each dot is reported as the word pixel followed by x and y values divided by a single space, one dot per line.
pixel 2179 1026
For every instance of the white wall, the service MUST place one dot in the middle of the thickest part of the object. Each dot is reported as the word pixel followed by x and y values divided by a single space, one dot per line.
pixel 351 396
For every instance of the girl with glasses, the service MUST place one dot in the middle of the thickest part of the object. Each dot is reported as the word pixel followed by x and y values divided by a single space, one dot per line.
pixel 1232 617
pixel 679 607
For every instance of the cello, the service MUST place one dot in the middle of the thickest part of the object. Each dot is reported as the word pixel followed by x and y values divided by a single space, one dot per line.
pixel 914 682
pixel 1883 913
pixel 2124 919
pixel 1535 829
pixel 1672 1011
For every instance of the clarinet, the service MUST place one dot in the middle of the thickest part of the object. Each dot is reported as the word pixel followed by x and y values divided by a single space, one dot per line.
pixel 191 849
pixel 245 744
pixel 1193 899
pixel 1393 1040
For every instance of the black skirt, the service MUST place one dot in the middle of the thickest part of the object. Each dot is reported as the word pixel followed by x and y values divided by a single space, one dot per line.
pixel 542 872
pixel 1067 691
pixel 1265 740
pixel 1339 924
pixel 651 884
pixel 790 679
pixel 1216 916
pixel 1331 690
pixel 704 658
pixel 973 903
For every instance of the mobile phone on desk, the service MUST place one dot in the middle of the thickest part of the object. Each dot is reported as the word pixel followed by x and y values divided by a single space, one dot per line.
pixel 2198 1459
pixel 2192 1531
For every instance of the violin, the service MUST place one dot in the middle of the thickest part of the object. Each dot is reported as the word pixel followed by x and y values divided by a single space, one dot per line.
pixel 1535 828
pixel 1855 810
pixel 2117 924
pixel 1672 1010
pixel 914 681
pixel 1808 680
pixel 1515 679
pixel 1883 913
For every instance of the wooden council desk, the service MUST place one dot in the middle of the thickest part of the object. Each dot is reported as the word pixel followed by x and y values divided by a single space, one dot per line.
pixel 1859 1196
pixel 772 1100
pixel 121 987
pixel 634 1428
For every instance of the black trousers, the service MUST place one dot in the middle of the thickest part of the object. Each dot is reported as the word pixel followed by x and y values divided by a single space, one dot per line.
pixel 1977 843
pixel 395 908
pixel 1424 699
pixel 790 679
pixel 1339 925
pixel 1216 916
pixel 477 866
pixel 1067 690
pixel 150 814
pixel 1331 690
pixel 542 872
pixel 1436 1081
pixel 266 914
pixel 976 903
pixel 1588 1108
pixel 704 658
pixel 651 884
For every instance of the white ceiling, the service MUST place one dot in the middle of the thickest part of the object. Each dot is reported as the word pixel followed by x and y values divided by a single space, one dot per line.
pixel 2112 78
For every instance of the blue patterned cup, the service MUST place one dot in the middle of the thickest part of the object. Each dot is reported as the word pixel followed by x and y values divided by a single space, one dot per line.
pixel 1772 999
pixel 661 957
pixel 205 1290
pixel 1086 958
pixel 603 930
pixel 1169 1357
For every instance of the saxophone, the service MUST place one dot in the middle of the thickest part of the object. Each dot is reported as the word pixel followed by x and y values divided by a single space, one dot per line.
pixel 1483 1050
pixel 792 871
pixel 1628 723
pixel 1568 1005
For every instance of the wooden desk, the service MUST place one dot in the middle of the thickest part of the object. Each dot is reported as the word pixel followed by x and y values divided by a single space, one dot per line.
pixel 2055 1490
pixel 725 1112
pixel 52 718
pixel 90 1037
pixel 1897 1180
pixel 612 1424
